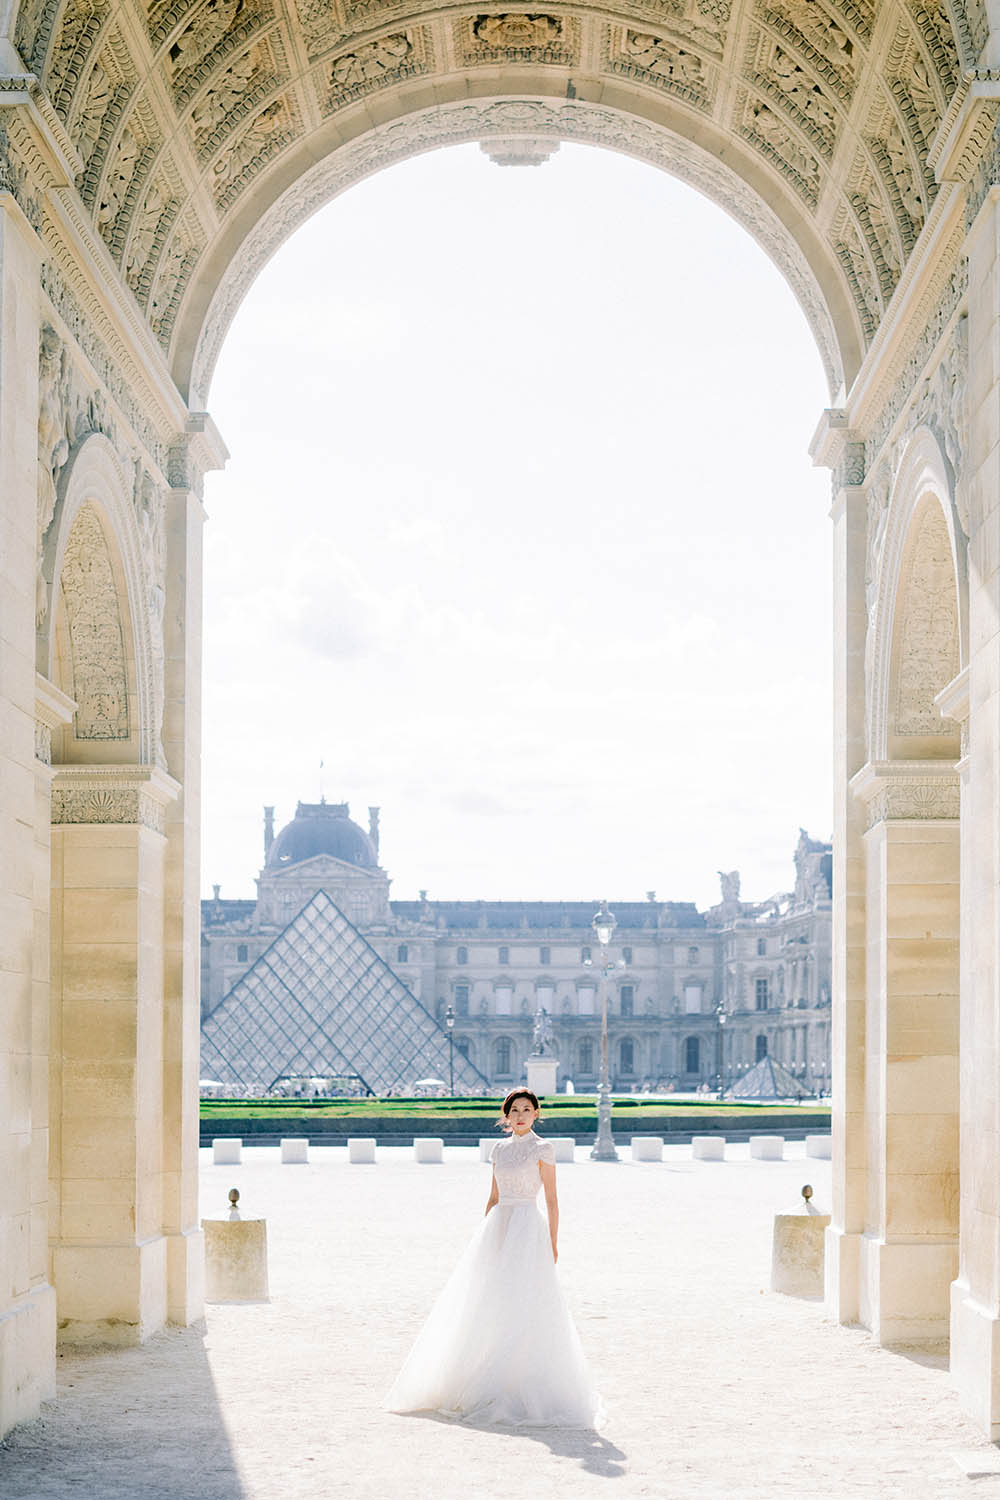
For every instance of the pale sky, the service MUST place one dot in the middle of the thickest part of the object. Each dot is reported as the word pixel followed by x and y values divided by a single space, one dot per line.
pixel 520 537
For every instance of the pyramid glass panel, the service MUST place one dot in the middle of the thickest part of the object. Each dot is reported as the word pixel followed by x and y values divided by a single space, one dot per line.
pixel 320 1002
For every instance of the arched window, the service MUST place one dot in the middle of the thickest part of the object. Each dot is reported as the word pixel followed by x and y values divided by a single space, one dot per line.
pixel 586 1057
pixel 462 1045
pixel 692 1055
pixel 461 999
pixel 761 947
pixel 692 955
pixel 462 956
pixel 242 953
pixel 761 1048
pixel 505 955
pixel 626 999
pixel 501 1056
pixel 402 954
pixel 626 1055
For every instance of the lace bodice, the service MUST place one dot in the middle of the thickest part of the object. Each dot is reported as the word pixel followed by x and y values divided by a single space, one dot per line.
pixel 515 1165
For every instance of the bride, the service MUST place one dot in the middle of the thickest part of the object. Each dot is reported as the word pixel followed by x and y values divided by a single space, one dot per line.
pixel 499 1345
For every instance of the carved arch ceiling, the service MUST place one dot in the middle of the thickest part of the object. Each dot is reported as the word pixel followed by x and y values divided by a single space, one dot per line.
pixel 190 119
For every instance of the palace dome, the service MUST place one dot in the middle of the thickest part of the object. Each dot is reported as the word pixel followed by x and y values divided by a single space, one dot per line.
pixel 322 828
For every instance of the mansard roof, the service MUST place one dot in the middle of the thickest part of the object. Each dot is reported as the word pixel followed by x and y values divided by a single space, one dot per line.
pixel 507 916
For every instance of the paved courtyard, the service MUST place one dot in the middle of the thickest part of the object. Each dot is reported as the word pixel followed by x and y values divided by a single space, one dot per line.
pixel 715 1387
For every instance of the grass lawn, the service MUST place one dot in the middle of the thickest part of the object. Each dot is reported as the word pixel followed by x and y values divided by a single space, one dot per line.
pixel 484 1111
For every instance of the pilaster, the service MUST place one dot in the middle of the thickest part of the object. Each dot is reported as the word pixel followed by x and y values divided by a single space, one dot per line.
pixel 909 1250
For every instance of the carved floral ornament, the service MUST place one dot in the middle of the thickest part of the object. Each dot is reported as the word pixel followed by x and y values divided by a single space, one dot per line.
pixel 112 794
pixel 919 791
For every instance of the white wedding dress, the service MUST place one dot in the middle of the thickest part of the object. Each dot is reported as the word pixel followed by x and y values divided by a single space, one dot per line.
pixel 499 1345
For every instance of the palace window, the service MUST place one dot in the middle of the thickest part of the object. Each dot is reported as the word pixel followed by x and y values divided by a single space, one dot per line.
pixel 585 1001
pixel 585 955
pixel 586 1056
pixel 504 997
pixel 462 956
pixel 501 1056
pixel 692 1055
pixel 626 1056
pixel 402 954
pixel 692 999
pixel 462 999
pixel 761 947
pixel 462 1046
pixel 504 955
pixel 627 999
pixel 545 955
pixel 242 953
pixel 760 993
pixel 627 955
pixel 761 1049
pixel 692 955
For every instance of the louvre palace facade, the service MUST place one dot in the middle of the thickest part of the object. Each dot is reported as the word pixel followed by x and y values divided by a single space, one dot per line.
pixel 694 998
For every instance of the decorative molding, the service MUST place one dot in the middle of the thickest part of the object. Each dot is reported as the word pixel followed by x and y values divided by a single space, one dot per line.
pixel 53 709
pixel 112 794
pixel 94 627
pixel 483 120
pixel 917 790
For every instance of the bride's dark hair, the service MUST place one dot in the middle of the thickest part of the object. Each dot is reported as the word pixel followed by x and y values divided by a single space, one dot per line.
pixel 504 1120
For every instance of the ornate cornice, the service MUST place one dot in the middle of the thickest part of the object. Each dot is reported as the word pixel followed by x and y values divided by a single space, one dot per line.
pixel 915 790
pixel 53 708
pixel 112 794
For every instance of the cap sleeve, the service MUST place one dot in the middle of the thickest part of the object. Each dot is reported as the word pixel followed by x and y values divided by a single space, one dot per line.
pixel 547 1152
pixel 493 1153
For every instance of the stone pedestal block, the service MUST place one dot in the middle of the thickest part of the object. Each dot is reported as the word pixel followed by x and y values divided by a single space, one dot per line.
pixel 565 1147
pixel 647 1148
pixel 361 1149
pixel 486 1144
pixel 227 1151
pixel 797 1253
pixel 708 1147
pixel 767 1147
pixel 540 1074
pixel 235 1260
pixel 819 1146
pixel 428 1148
pixel 295 1150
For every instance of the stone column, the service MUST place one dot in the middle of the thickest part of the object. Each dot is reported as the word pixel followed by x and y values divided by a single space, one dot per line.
pixel 835 447
pixel 27 1347
pixel 909 1252
pixel 109 1253
pixel 197 450
pixel 975 1307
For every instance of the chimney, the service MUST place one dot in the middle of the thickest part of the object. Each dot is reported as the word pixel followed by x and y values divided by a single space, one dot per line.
pixel 268 830
pixel 373 813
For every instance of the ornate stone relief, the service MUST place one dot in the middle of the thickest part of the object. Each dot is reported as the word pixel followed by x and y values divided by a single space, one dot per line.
pixel 236 93
pixel 941 405
pixel 781 144
pixel 928 629
pixel 934 27
pixel 79 28
pixel 516 37
pixel 218 30
pixel 879 489
pixel 401 54
pixel 107 803
pixel 170 280
pixel 662 63
pixel 792 90
pixel 150 228
pixel 815 36
pixel 928 797
pixel 150 515
pixel 267 133
pixel 852 252
pixel 54 438
pixel 97 644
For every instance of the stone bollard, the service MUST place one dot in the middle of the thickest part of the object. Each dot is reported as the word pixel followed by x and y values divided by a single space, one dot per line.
pixel 227 1151
pixel 708 1148
pixel 819 1146
pixel 428 1148
pixel 767 1147
pixel 295 1150
pixel 647 1148
pixel 565 1147
pixel 361 1149
pixel 797 1250
pixel 235 1257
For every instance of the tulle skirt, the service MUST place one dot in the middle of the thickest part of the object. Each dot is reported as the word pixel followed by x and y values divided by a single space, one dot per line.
pixel 499 1345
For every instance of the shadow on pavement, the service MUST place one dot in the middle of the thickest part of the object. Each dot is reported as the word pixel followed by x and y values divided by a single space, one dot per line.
pixel 127 1423
pixel 596 1455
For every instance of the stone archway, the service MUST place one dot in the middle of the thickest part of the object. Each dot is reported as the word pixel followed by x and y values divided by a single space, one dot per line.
pixel 151 160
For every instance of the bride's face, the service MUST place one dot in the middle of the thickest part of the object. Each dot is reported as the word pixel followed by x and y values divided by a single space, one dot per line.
pixel 522 1115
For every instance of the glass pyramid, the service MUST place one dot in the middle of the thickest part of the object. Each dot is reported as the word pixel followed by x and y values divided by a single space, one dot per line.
pixel 320 1002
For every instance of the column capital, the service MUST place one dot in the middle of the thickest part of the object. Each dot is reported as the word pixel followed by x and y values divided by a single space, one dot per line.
pixel 907 790
pixel 195 452
pixel 53 708
pixel 112 794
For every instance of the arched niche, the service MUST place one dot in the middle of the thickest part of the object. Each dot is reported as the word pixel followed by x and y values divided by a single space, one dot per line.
pixel 94 642
pixel 919 626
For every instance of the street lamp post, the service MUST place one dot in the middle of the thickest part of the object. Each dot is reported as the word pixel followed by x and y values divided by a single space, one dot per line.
pixel 720 1016
pixel 604 1146
pixel 449 1021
